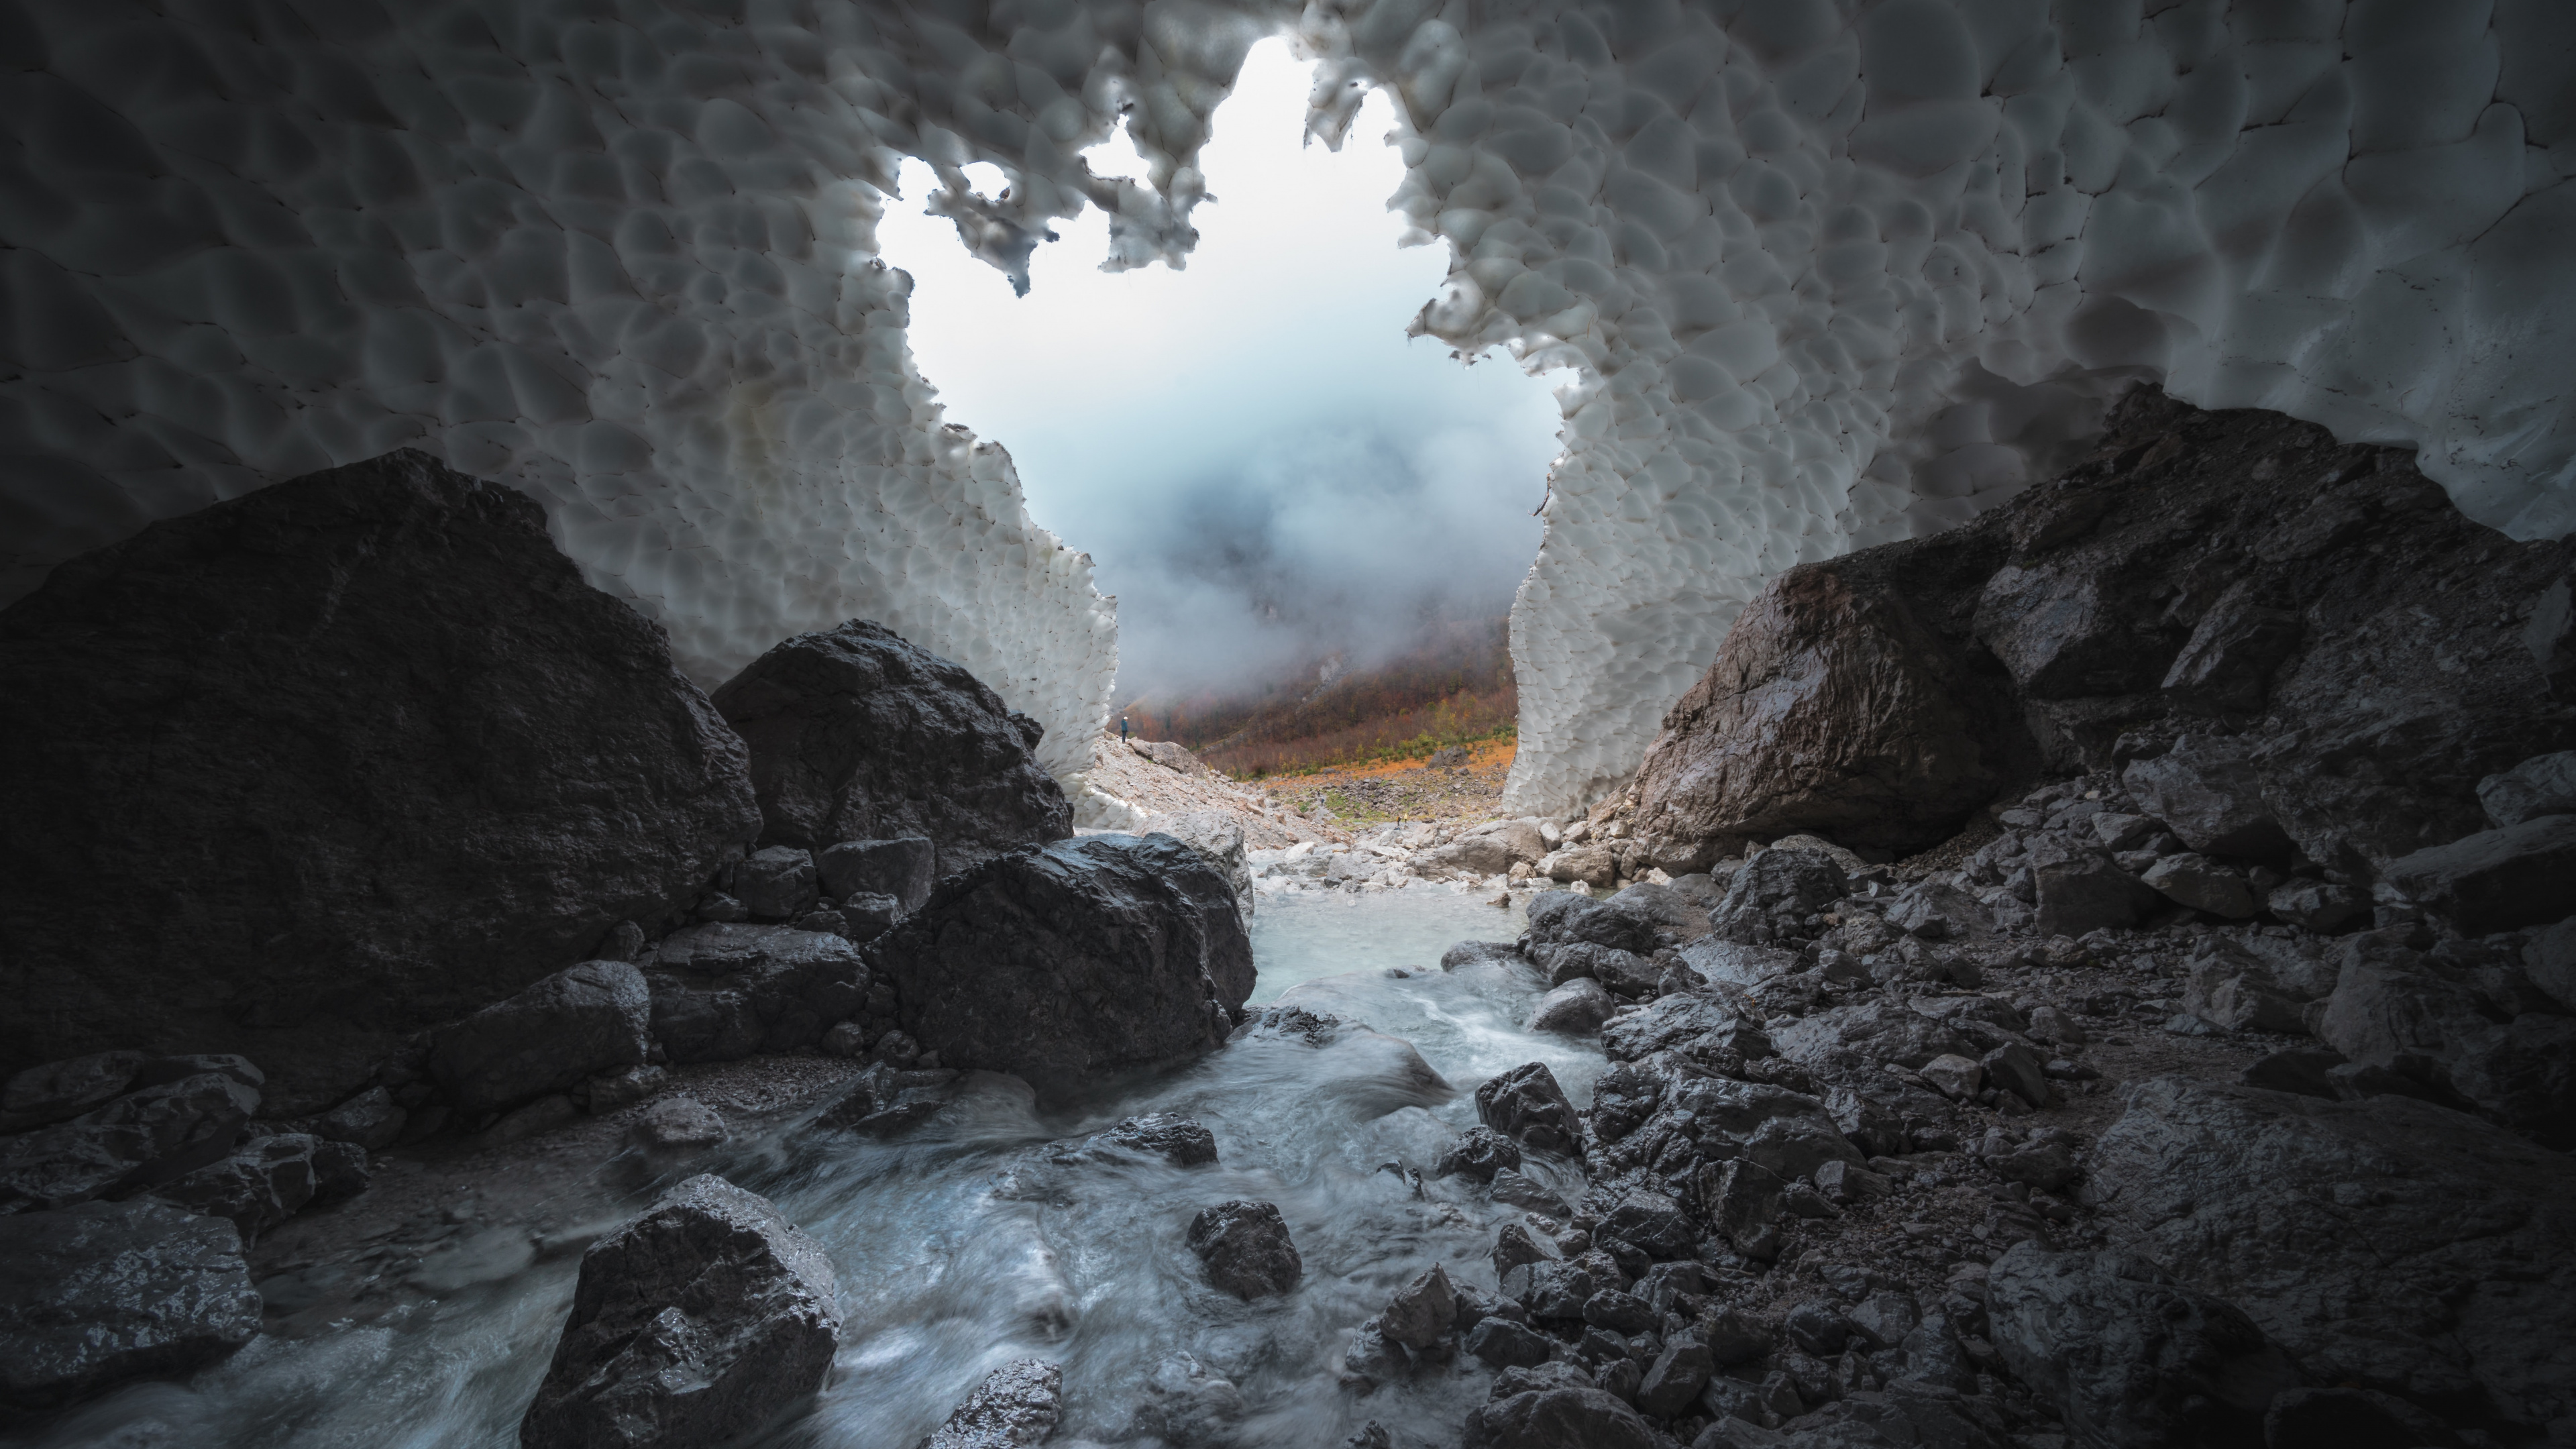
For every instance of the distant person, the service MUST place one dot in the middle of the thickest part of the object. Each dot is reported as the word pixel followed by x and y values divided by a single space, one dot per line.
pixel 1122 729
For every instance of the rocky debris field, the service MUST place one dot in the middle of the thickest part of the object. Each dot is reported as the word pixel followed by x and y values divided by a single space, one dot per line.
pixel 2058 1144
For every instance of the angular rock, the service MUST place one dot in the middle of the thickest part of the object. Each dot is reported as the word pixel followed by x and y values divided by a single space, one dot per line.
pixel 1867 1036
pixel 1744 1201
pixel 1622 923
pixel 1654 1222
pixel 2550 961
pixel 1501 1343
pixel 135 1141
pixel 904 869
pixel 1246 1249
pixel 1619 1312
pixel 1421 1313
pixel 723 992
pixel 2542 785
pixel 1672 1383
pixel 2207 791
pixel 2256 1195
pixel 1017 1405
pixel 856 734
pixel 2202 884
pixel 2496 880
pixel 1526 1104
pixel 1515 1245
pixel 2223 994
pixel 2087 892
pixel 1089 957
pixel 776 884
pixel 1621 972
pixel 1479 1152
pixel 369 1120
pixel 1774 893
pixel 2044 1163
pixel 1577 1007
pixel 1789 1133
pixel 1219 837
pixel 2313 905
pixel 1831 708
pixel 2229 659
pixel 100 1293
pixel 263 1183
pixel 1697 1027
pixel 2127 1354
pixel 2392 1010
pixel 1591 865
pixel 707 1316
pixel 589 1018
pixel 1476 953
pixel 1955 1077
pixel 1551 1289
pixel 387 756
pixel 1938 912
pixel 58 1091
pixel 1556 1418
pixel 2018 1070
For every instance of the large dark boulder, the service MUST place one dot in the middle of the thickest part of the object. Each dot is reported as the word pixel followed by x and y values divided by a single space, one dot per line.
pixel 1831 708
pixel 585 1019
pixel 2388 1242
pixel 724 992
pixel 104 1292
pixel 136 1141
pixel 696 1324
pixel 2129 1356
pixel 2346 654
pixel 1246 1249
pixel 1090 957
pixel 856 734
pixel 331 762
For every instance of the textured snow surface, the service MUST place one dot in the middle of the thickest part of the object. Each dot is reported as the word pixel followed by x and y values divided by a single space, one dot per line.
pixel 1828 274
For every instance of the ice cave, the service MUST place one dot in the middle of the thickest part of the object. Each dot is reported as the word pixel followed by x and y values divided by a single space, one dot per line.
pixel 568 877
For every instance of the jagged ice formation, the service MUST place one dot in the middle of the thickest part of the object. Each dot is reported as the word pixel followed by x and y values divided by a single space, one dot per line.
pixel 1827 274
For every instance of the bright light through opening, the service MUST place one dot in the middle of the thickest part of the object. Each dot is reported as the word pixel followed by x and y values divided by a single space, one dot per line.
pixel 1257 457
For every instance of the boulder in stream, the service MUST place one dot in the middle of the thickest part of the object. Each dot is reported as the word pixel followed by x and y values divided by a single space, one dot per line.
pixel 1017 1405
pixel 699 1322
pixel 1246 1248
pixel 1089 957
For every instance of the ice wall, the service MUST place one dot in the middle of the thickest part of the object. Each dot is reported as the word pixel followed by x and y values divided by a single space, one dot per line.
pixel 1826 273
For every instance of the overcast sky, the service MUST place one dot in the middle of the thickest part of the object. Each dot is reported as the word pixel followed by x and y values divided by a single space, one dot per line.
pixel 1254 454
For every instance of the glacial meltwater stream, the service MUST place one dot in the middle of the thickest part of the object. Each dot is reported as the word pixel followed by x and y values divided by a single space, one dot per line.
pixel 967 1243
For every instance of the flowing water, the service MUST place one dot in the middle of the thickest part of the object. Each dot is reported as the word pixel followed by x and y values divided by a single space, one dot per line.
pixel 968 1244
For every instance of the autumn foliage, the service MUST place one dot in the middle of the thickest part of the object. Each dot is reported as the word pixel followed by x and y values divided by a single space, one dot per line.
pixel 1453 688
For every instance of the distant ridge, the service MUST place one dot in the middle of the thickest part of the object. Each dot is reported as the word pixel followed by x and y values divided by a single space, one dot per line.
pixel 1453 687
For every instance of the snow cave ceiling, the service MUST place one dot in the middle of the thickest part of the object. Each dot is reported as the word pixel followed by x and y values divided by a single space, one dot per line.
pixel 1827 273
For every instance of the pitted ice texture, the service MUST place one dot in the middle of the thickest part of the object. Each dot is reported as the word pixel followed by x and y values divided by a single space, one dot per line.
pixel 1825 274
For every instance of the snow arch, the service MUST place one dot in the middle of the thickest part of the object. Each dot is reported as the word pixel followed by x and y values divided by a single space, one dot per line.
pixel 1830 273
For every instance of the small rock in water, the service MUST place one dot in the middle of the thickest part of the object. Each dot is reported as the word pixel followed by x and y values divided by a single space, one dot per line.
pixel 1182 1140
pixel 1479 1152
pixel 1017 1405
pixel 678 1123
pixel 708 1314
pixel 1422 1313
pixel 1246 1248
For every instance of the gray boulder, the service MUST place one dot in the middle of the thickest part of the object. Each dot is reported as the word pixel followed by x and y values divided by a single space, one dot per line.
pixel 1477 953
pixel 58 1091
pixel 2392 1009
pixel 2496 880
pixel 1577 1007
pixel 263 1183
pixel 1868 1036
pixel 2343 1230
pixel 1556 1418
pixel 2201 883
pixel 1016 1405
pixel 1219 837
pixel 2207 791
pixel 1771 897
pixel 582 1020
pixel 1422 1312
pixel 776 884
pixel 2541 785
pixel 1622 923
pixel 2128 1355
pixel 905 869
pixel 1180 1141
pixel 1787 1132
pixel 1105 954
pixel 332 762
pixel 1700 1028
pixel 2314 905
pixel 99 1293
pixel 706 1318
pixel 1527 1105
pixel 724 992
pixel 1246 1249
pixel 2085 891
pixel 856 734
pixel 1479 1152
pixel 135 1141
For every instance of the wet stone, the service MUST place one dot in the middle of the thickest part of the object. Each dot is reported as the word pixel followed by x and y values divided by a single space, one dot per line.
pixel 1246 1249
